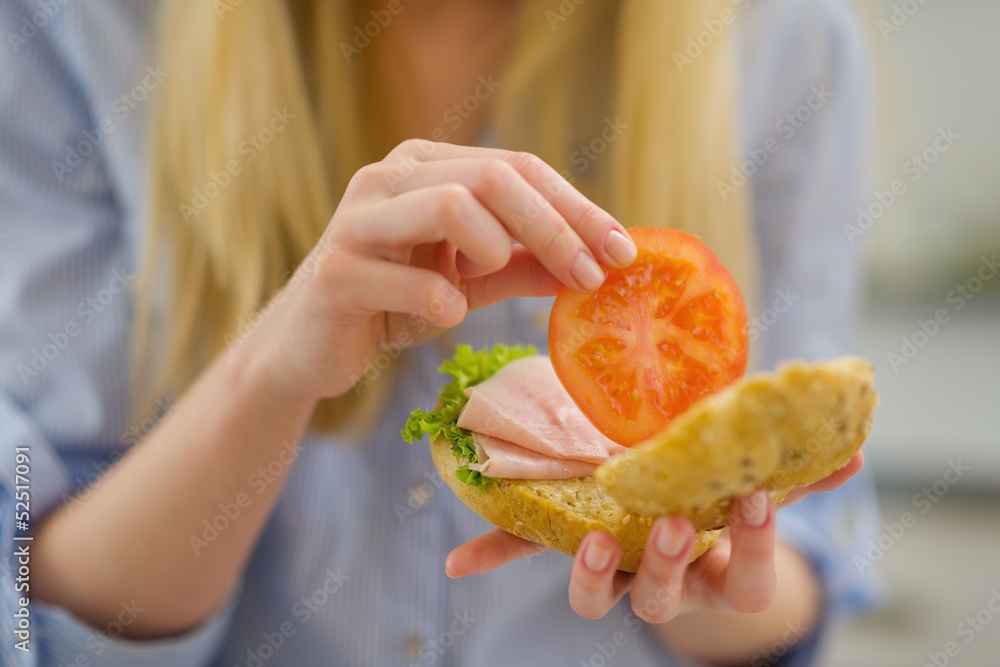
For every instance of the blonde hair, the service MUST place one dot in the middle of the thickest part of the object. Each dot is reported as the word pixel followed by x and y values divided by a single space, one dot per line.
pixel 213 261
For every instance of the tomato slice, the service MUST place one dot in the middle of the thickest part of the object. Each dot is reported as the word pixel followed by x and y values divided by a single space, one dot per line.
pixel 656 337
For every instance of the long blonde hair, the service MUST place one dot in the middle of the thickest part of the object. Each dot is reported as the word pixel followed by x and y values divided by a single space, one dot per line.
pixel 228 223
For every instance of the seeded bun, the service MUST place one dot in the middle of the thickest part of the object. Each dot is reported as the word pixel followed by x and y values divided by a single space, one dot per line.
pixel 775 431
pixel 555 513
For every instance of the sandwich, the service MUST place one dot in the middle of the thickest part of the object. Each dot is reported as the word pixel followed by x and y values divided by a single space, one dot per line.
pixel 641 411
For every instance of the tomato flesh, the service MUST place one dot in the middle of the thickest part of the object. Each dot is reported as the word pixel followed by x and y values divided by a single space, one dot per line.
pixel 656 337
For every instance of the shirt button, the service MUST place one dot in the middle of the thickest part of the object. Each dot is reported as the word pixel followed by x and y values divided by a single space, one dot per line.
pixel 412 644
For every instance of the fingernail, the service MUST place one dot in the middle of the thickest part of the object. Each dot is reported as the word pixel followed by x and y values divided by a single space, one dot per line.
pixel 669 542
pixel 754 509
pixel 596 558
pixel 586 272
pixel 620 248
pixel 448 567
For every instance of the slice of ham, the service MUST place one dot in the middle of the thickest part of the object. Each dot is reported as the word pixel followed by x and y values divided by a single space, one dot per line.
pixel 525 405
pixel 499 458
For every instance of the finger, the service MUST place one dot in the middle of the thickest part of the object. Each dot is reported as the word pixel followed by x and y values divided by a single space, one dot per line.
pixel 595 585
pixel 834 481
pixel 524 275
pixel 444 212
pixel 605 236
pixel 527 215
pixel 705 577
pixel 420 294
pixel 594 225
pixel 750 578
pixel 488 552
pixel 658 590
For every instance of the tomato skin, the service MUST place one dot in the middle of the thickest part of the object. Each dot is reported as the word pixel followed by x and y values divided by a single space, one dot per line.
pixel 657 336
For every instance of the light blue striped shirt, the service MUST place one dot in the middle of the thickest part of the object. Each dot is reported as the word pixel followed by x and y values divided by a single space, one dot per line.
pixel 350 567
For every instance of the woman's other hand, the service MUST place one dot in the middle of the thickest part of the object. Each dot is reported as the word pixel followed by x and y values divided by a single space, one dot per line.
pixel 737 574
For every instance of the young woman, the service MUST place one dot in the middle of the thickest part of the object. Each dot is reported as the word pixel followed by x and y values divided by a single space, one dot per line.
pixel 250 207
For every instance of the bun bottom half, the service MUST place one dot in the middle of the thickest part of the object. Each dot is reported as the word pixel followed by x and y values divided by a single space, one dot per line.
pixel 556 513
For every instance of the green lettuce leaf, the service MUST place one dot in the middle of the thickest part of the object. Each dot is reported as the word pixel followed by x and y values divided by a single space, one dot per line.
pixel 467 368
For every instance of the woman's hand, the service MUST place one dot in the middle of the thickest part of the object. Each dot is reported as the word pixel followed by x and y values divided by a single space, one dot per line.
pixel 419 240
pixel 737 574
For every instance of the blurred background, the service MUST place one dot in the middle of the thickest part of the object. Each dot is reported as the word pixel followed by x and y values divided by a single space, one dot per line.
pixel 932 328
